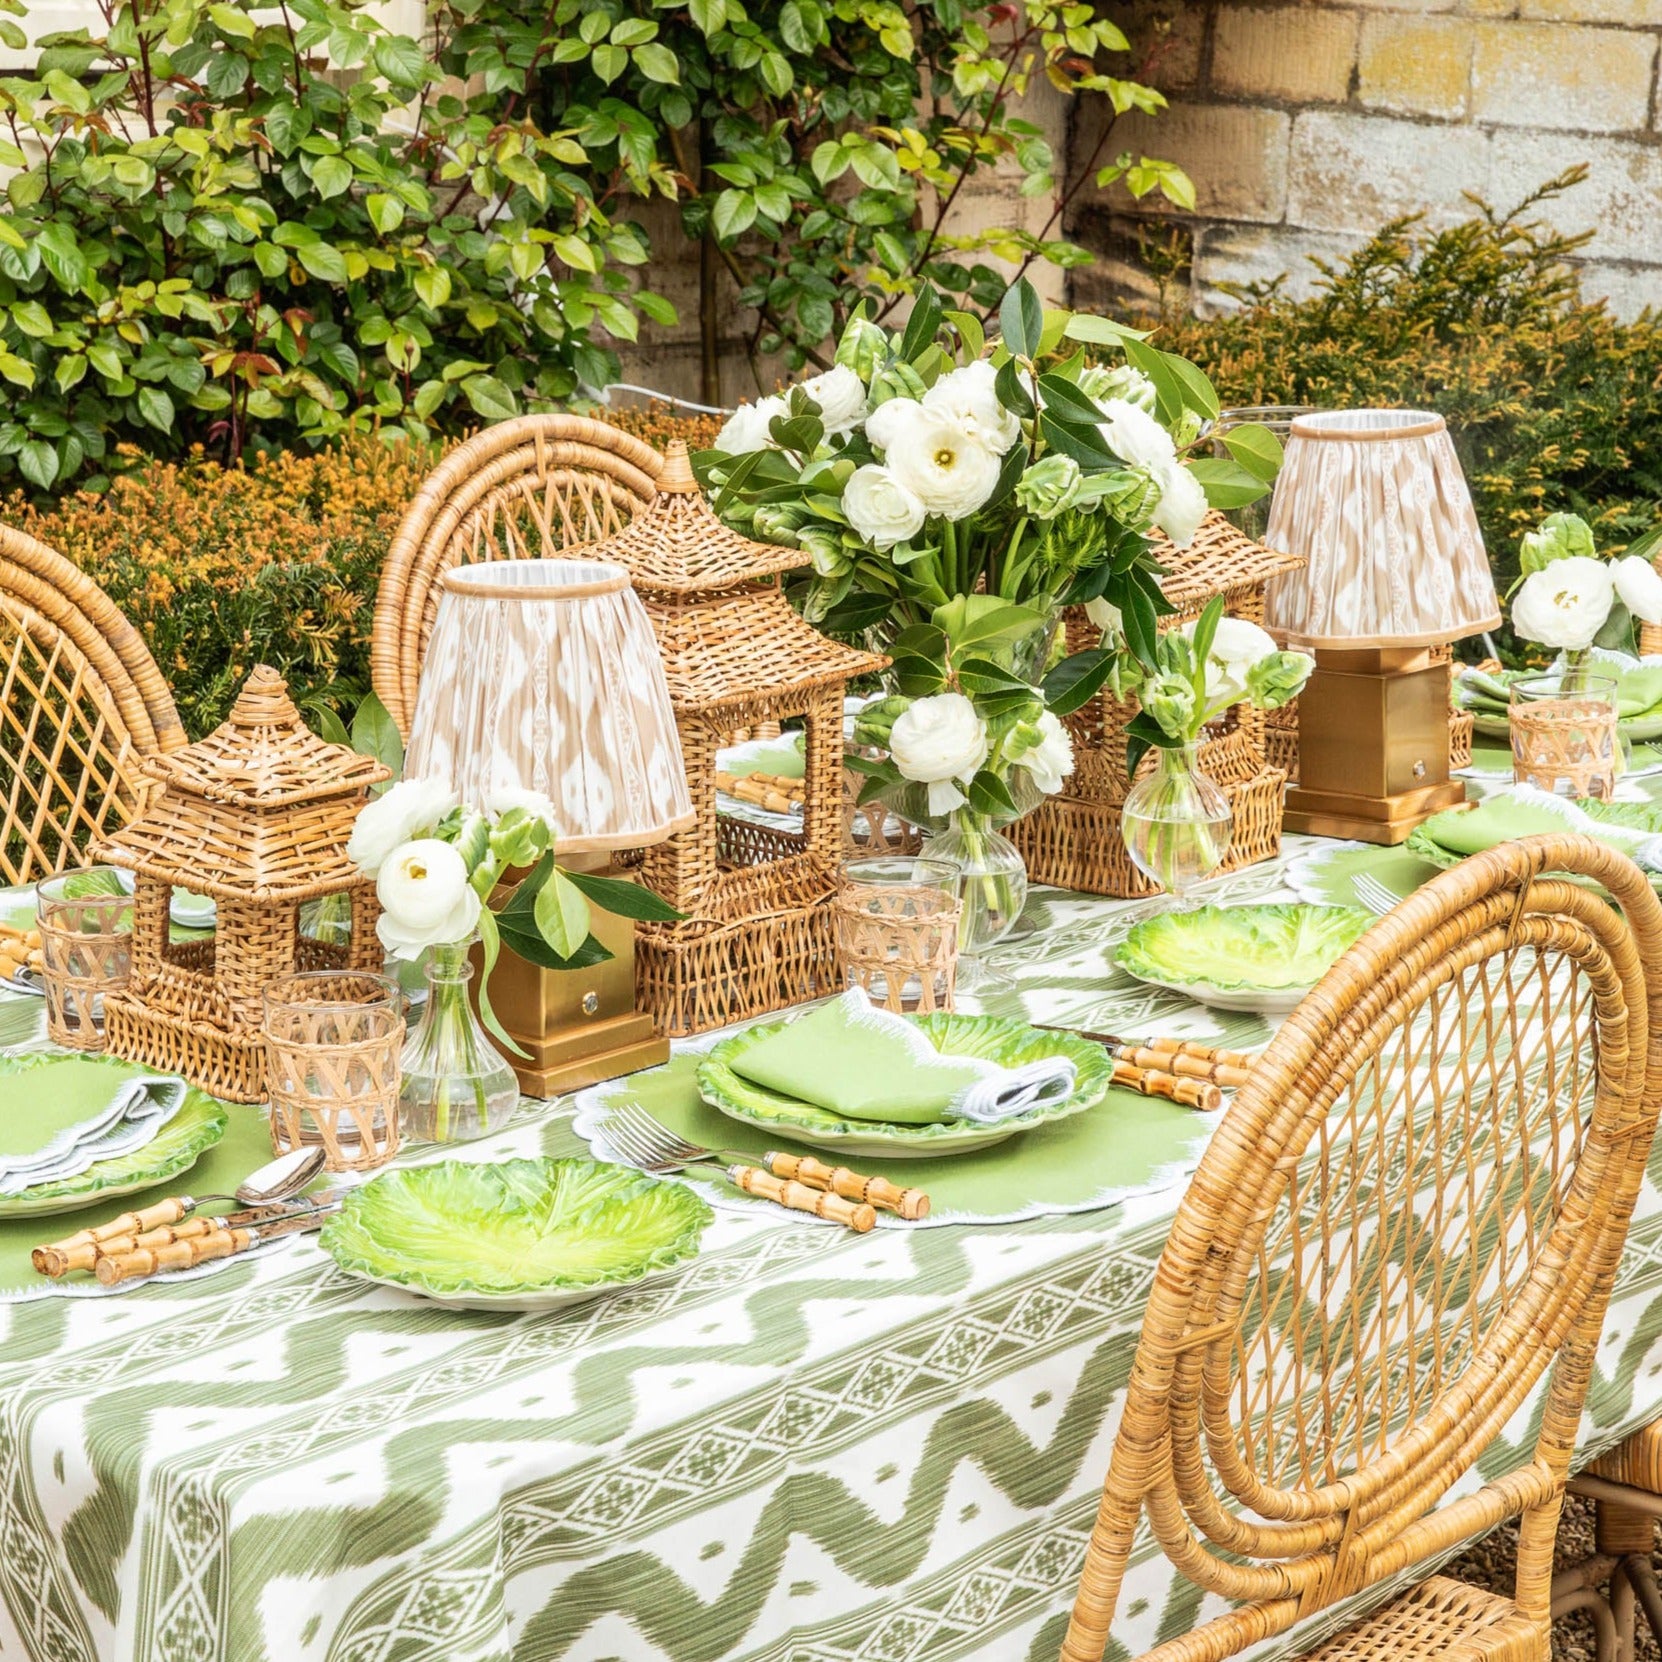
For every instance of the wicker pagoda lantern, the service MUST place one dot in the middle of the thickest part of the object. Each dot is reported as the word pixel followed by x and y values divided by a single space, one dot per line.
pixel 1073 840
pixel 756 934
pixel 257 816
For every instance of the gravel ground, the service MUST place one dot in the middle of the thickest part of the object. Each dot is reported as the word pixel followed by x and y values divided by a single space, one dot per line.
pixel 1490 1564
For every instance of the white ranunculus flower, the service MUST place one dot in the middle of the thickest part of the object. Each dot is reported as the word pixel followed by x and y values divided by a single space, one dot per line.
pixel 425 898
pixel 888 421
pixel 502 799
pixel 1135 436
pixel 1106 616
pixel 747 428
pixel 1050 761
pixel 394 817
pixel 1639 587
pixel 946 469
pixel 1182 504
pixel 968 397
pixel 841 396
pixel 936 741
pixel 1565 603
pixel 1236 647
pixel 880 508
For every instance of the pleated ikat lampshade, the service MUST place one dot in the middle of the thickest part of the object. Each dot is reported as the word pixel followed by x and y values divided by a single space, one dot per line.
pixel 545 676
pixel 1376 503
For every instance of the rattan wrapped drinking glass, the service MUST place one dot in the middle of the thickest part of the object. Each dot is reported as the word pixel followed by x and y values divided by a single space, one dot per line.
pixel 897 931
pixel 332 1040
pixel 86 940
pixel 1564 733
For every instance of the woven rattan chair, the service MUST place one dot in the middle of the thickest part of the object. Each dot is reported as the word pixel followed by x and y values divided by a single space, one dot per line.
pixel 1626 1488
pixel 82 704
pixel 1407 1222
pixel 531 487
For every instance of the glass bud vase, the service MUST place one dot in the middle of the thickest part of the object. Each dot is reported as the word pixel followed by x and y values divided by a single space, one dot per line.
pixel 457 1085
pixel 1176 823
pixel 993 886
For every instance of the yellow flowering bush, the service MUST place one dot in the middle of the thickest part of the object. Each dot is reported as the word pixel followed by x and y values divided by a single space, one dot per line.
pixel 275 562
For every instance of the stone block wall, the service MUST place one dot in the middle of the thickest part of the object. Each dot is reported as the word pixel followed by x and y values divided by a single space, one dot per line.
pixel 1305 126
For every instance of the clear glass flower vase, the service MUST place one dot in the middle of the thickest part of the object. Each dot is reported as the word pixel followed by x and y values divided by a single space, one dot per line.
pixel 1176 823
pixel 993 888
pixel 456 1084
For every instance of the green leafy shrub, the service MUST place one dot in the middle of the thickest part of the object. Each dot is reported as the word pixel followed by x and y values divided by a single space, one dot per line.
pixel 238 224
pixel 1553 404
pixel 819 144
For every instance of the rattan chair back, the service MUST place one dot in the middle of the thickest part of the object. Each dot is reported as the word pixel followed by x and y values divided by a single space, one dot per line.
pixel 527 488
pixel 82 705
pixel 1410 1216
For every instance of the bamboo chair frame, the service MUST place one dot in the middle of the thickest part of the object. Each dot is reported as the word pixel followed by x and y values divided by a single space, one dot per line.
pixel 530 487
pixel 82 706
pixel 1352 1305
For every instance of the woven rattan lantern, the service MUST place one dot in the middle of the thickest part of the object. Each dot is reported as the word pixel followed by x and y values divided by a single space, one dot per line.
pixel 257 816
pixel 1074 840
pixel 756 933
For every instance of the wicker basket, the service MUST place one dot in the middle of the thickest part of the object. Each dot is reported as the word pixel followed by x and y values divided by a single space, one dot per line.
pixel 755 934
pixel 257 815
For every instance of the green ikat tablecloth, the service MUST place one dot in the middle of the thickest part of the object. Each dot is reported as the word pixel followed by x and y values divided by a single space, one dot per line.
pixel 807 1446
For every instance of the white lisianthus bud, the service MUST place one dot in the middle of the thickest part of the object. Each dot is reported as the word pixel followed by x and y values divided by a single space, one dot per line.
pixel 747 428
pixel 888 421
pixel 1135 436
pixel 880 508
pixel 936 741
pixel 1236 647
pixel 841 397
pixel 1639 587
pixel 1050 761
pixel 1182 504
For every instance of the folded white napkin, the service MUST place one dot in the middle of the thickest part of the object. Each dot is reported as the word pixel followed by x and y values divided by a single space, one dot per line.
pixel 135 1111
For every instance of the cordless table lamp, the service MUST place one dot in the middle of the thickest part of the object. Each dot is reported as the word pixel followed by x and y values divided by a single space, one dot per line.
pixel 1394 571
pixel 544 676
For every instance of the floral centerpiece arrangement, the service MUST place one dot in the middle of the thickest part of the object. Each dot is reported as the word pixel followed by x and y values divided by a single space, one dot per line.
pixel 1176 821
pixel 955 494
pixel 436 863
pixel 1583 606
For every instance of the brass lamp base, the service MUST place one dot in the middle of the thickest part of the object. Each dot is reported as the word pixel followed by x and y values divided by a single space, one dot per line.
pixel 1373 745
pixel 577 1027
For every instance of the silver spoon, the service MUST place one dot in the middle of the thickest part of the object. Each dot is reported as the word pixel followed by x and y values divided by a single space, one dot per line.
pixel 275 1181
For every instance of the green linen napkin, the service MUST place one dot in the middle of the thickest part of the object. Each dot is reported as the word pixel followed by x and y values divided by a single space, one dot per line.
pixel 1527 811
pixel 862 1063
pixel 70 1113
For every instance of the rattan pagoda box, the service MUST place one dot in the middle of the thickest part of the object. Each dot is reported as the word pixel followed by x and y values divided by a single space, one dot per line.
pixel 1073 840
pixel 257 816
pixel 756 930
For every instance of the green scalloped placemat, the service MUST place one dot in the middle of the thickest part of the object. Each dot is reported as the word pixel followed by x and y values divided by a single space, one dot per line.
pixel 1127 1145
pixel 245 1146
pixel 1324 874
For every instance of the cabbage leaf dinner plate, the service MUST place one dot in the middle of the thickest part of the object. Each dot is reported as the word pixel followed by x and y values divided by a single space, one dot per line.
pixel 515 1234
pixel 198 1125
pixel 1263 958
pixel 1009 1043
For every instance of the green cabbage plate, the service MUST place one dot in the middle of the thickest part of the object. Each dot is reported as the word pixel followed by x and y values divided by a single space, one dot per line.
pixel 1242 957
pixel 175 1148
pixel 515 1234
pixel 1008 1042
